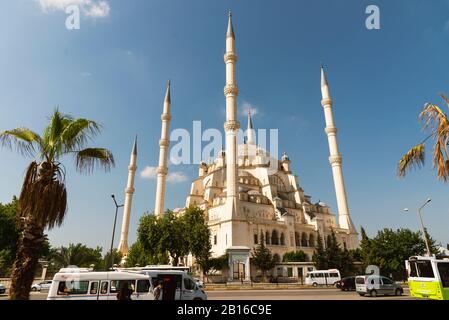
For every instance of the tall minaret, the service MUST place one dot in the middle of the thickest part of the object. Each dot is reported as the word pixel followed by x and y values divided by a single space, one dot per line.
pixel 231 125
pixel 335 158
pixel 129 191
pixel 163 153
pixel 250 130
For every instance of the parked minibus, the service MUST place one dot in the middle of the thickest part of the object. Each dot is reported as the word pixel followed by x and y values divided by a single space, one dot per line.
pixel 428 277
pixel 176 284
pixel 81 284
pixel 323 277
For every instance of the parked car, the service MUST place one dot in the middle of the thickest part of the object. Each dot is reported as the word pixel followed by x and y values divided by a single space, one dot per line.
pixel 374 285
pixel 346 284
pixel 44 285
pixel 2 289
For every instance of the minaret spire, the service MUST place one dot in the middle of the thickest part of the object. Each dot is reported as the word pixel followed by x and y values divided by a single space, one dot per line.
pixel 129 191
pixel 231 125
pixel 335 158
pixel 163 154
pixel 250 130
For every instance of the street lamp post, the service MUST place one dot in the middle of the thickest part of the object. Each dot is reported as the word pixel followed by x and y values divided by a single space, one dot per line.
pixel 423 230
pixel 113 229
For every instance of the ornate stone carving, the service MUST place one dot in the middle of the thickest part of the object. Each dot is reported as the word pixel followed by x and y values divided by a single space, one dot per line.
pixel 165 117
pixel 231 125
pixel 230 56
pixel 230 89
pixel 335 160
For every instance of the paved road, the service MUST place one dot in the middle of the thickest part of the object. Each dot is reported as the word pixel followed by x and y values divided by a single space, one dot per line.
pixel 286 294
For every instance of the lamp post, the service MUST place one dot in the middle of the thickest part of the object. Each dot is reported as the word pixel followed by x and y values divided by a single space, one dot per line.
pixel 423 230
pixel 113 229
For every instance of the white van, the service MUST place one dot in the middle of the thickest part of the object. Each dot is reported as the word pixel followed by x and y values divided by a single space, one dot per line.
pixel 176 284
pixel 323 277
pixel 80 284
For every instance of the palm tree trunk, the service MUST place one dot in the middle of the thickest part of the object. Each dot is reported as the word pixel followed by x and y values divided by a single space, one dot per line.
pixel 30 245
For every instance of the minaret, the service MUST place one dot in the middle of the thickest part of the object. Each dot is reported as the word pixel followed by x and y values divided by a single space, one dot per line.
pixel 129 191
pixel 250 131
pixel 231 125
pixel 163 153
pixel 335 158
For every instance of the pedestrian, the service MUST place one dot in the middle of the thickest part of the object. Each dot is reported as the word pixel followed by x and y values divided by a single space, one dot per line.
pixel 157 291
pixel 125 292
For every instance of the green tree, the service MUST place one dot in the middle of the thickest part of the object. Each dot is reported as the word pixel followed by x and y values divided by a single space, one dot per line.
pixel 390 248
pixel 43 199
pixel 9 236
pixel 219 263
pixel 263 259
pixel 77 255
pixel 333 252
pixel 295 256
pixel 198 236
pixel 320 255
pixel 106 261
pixel 165 234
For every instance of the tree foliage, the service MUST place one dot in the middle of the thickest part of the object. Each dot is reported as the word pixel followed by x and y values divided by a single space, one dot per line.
pixel 390 248
pixel 178 235
pixel 295 256
pixel 263 259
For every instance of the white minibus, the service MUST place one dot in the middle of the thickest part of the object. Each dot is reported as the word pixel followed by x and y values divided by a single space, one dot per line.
pixel 176 284
pixel 80 284
pixel 323 277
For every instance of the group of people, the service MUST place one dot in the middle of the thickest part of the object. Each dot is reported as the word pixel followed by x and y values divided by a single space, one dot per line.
pixel 125 291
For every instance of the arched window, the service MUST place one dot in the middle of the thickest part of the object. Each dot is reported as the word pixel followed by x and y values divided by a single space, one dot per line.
pixel 304 239
pixel 274 238
pixel 282 239
pixel 267 238
pixel 311 240
pixel 297 239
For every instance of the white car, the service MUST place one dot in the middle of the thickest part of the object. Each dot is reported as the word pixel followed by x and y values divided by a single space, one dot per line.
pixel 44 285
pixel 2 289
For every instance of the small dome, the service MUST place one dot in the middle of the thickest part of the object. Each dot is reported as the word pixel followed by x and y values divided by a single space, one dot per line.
pixel 322 204
pixel 285 157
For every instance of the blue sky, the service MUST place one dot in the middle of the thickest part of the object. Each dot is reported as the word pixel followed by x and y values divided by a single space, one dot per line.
pixel 115 67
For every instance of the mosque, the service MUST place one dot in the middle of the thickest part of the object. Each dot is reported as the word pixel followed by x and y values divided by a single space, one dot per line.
pixel 248 196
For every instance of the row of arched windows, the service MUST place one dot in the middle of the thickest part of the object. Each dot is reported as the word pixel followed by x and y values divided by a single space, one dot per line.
pixel 304 240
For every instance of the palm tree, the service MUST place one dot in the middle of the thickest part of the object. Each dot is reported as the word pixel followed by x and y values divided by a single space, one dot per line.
pixel 434 119
pixel 43 199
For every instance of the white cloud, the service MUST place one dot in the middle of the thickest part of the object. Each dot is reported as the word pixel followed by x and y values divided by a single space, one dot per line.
pixel 245 106
pixel 90 8
pixel 150 173
pixel 176 176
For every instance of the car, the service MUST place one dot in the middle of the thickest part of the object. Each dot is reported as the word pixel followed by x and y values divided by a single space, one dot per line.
pixel 374 285
pixel 2 289
pixel 43 285
pixel 346 284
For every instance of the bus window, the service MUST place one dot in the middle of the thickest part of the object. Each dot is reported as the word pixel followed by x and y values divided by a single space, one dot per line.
pixel 116 285
pixel 143 286
pixel 443 269
pixel 93 287
pixel 334 275
pixel 73 287
pixel 104 287
pixel 425 269
pixel 413 272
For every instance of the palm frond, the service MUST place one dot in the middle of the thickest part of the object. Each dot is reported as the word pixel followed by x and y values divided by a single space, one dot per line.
pixel 434 118
pixel 442 95
pixel 89 158
pixel 52 133
pixel 77 132
pixel 24 139
pixel 439 160
pixel 414 158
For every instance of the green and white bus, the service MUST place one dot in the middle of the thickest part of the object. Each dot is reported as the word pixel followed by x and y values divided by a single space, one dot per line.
pixel 428 277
